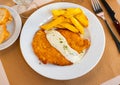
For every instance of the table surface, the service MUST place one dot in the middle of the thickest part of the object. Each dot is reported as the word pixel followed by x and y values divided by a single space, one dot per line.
pixel 19 73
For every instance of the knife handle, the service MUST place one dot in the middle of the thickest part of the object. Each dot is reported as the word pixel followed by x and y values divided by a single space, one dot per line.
pixel 113 36
pixel 117 25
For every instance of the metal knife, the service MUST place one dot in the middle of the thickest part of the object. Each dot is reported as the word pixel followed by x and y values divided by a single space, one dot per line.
pixel 112 15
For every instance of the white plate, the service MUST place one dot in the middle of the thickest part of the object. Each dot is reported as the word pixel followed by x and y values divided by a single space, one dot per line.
pixel 90 59
pixel 13 27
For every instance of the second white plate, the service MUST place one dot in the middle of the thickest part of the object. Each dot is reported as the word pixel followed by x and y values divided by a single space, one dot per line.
pixel 13 27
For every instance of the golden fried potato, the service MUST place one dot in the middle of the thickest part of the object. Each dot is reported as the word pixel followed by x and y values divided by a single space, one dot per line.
pixel 57 12
pixel 70 12
pixel 77 25
pixel 70 18
pixel 52 23
pixel 59 26
pixel 82 19
pixel 69 27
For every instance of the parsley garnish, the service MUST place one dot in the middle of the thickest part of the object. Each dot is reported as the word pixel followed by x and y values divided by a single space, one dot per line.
pixel 65 47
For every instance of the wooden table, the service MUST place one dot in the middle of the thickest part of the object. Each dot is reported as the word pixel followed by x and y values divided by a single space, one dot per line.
pixel 19 73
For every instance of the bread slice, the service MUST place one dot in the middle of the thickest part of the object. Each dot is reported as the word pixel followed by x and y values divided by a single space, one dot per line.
pixel 4 34
pixel 5 16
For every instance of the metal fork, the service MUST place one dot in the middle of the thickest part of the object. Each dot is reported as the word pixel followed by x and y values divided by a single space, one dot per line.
pixel 99 12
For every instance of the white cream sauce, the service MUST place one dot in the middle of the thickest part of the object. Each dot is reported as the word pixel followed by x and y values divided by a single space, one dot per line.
pixel 58 41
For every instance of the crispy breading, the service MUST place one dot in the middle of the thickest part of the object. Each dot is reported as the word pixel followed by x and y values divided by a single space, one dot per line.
pixel 75 41
pixel 5 16
pixel 4 34
pixel 48 54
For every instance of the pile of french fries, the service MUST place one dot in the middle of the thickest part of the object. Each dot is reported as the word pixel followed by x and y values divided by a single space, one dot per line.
pixel 72 19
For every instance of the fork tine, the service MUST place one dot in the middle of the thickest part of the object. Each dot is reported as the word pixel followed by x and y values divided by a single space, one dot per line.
pixel 96 6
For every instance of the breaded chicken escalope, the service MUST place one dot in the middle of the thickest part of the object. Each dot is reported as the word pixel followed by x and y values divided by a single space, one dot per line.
pixel 48 54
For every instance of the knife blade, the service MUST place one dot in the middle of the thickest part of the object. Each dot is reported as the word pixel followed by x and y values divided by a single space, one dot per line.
pixel 112 15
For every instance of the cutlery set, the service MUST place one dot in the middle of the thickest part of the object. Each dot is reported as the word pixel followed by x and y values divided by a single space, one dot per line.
pixel 99 12
pixel 112 15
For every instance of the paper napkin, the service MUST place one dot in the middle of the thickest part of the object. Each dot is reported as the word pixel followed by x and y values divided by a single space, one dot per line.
pixel 3 77
pixel 113 81
pixel 118 1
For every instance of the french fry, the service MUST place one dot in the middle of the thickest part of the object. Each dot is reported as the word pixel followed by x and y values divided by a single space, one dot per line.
pixel 77 25
pixel 52 23
pixel 70 12
pixel 68 20
pixel 57 12
pixel 72 19
pixel 82 19
pixel 74 10
pixel 59 26
pixel 69 27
